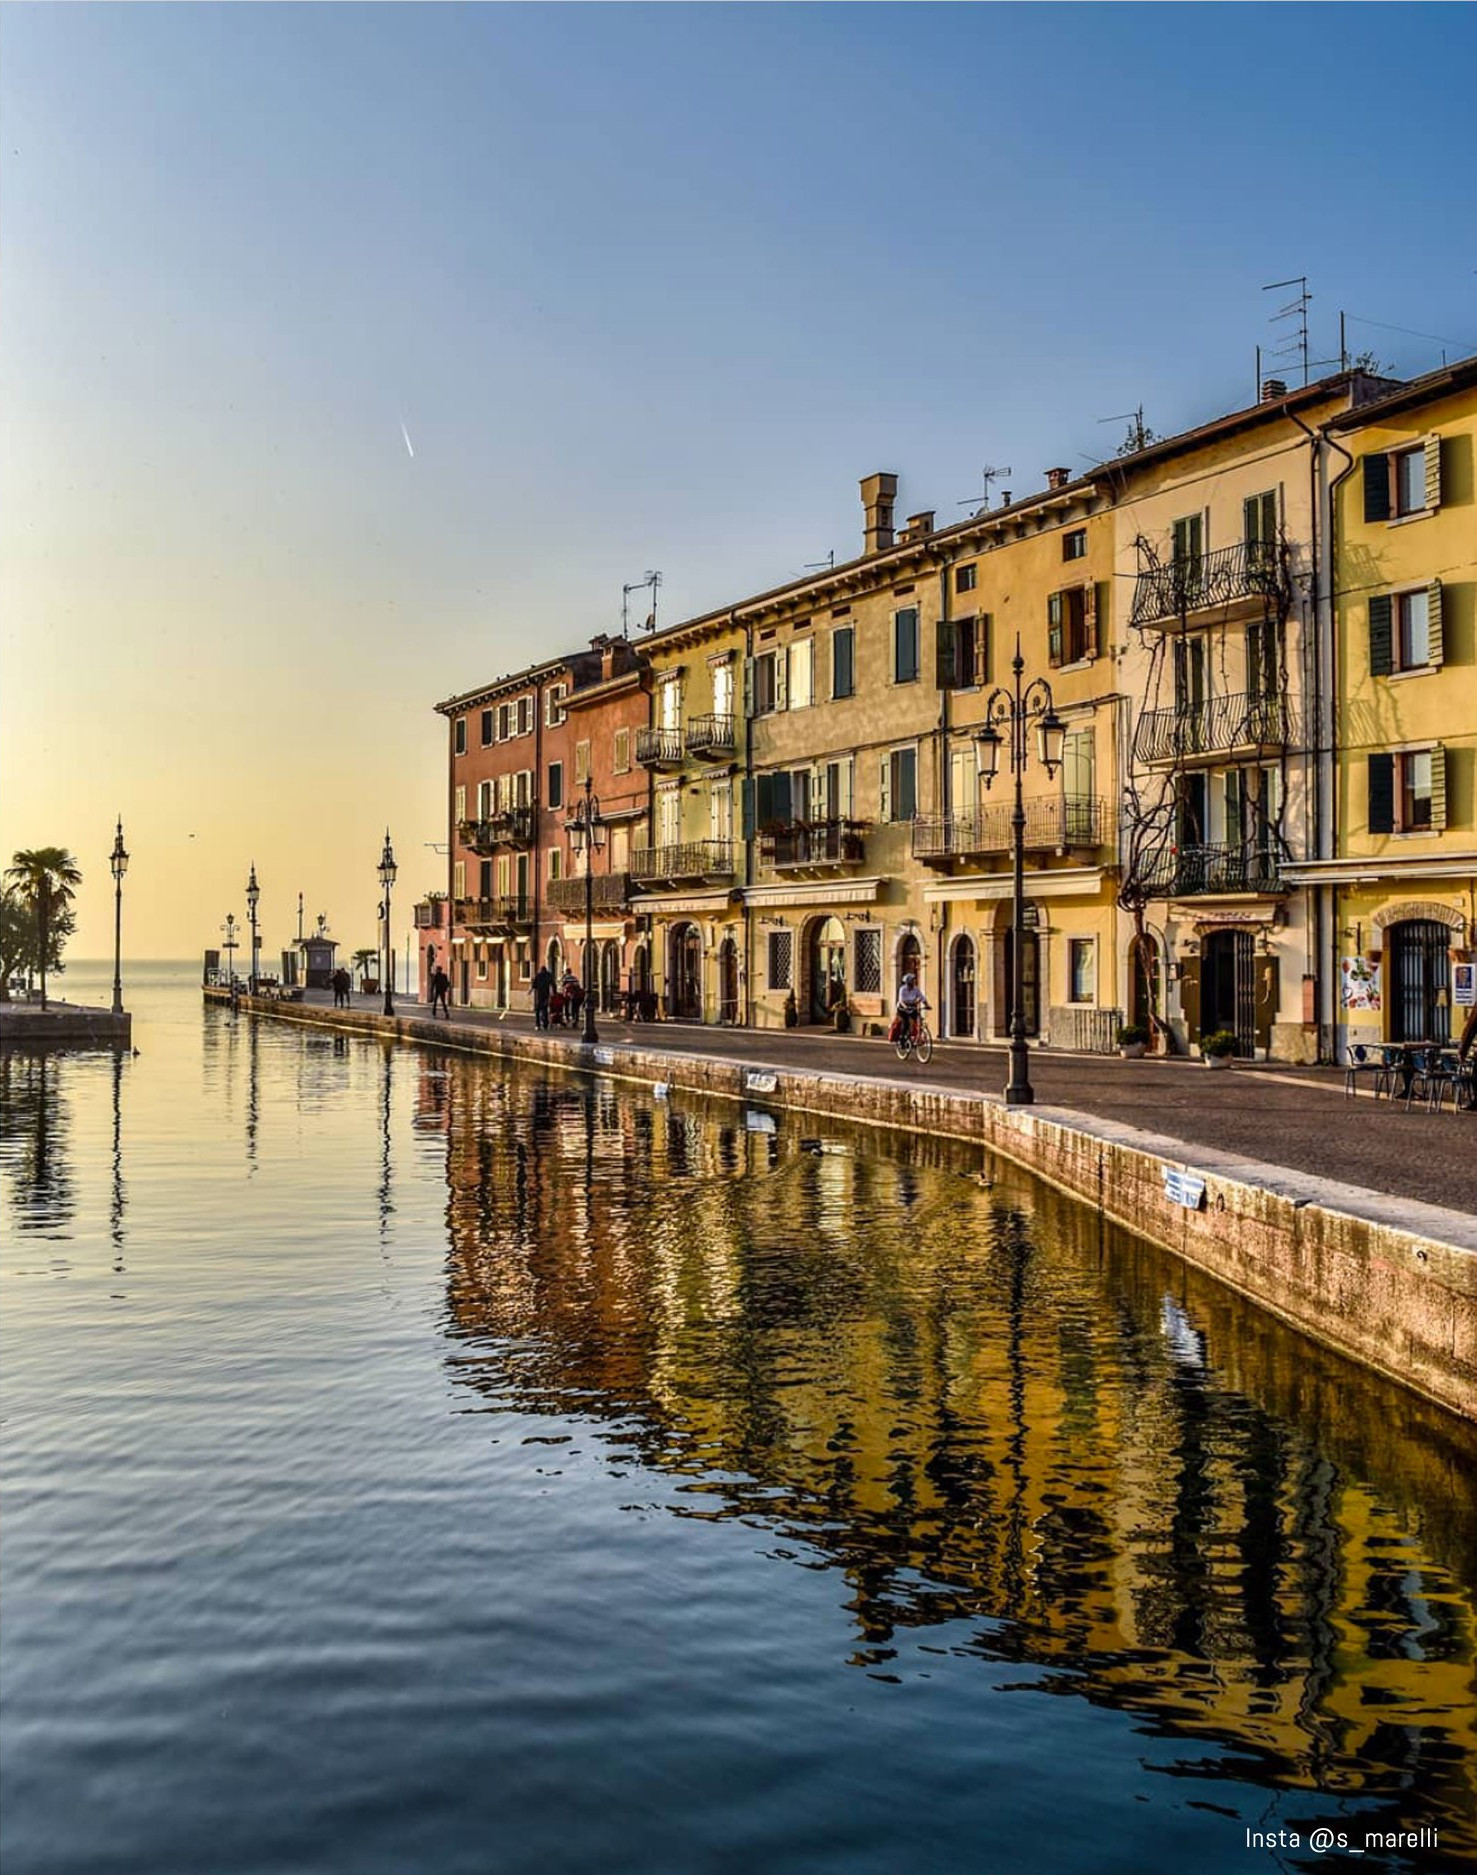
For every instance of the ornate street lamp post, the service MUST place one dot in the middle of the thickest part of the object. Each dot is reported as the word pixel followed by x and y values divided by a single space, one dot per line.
pixel 587 830
pixel 387 880
pixel 253 893
pixel 118 860
pixel 229 927
pixel 1017 707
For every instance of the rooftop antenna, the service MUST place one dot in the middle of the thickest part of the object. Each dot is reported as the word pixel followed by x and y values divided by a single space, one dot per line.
pixel 1138 435
pixel 981 502
pixel 649 582
pixel 1295 309
pixel 828 565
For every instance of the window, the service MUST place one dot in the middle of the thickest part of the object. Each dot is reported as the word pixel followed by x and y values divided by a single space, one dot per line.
pixel 668 817
pixel 484 878
pixel 1074 544
pixel 781 959
pixel 1187 538
pixel 621 753
pixel 802 670
pixel 1259 519
pixel 962 652
pixel 720 812
pixel 459 736
pixel 556 863
pixel 966 577
pixel 459 879
pixel 554 711
pixel 504 721
pixel 669 703
pixel 481 963
pixel 581 762
pixel 556 784
pixel 905 646
pixel 486 728
pixel 620 848
pixel 1071 624
pixel 459 812
pixel 1413 773
pixel 723 688
pixel 900 785
pixel 1082 970
pixel 484 800
pixel 766 684
pixel 1403 481
pixel 1412 630
pixel 1408 480
pixel 866 955
pixel 1406 631
pixel 843 661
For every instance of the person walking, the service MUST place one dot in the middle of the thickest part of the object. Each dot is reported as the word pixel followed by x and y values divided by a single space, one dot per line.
pixel 574 997
pixel 543 987
pixel 341 988
pixel 441 992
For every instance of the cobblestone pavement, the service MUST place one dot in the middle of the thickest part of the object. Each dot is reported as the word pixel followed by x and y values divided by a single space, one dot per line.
pixel 1293 1117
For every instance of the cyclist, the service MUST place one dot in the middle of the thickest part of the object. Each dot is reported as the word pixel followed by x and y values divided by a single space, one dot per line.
pixel 911 1002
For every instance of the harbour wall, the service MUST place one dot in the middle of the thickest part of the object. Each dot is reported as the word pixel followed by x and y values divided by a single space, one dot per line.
pixel 1388 1282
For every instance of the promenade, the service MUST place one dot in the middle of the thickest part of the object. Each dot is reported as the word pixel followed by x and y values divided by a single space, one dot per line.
pixel 1295 1118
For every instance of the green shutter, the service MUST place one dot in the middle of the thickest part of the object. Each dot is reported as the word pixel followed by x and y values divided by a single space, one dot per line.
pixel 1381 816
pixel 746 810
pixel 1054 628
pixel 944 655
pixel 1381 641
pixel 1434 628
pixel 1438 790
pixel 1377 487
pixel 982 648
pixel 1090 620
pixel 1433 471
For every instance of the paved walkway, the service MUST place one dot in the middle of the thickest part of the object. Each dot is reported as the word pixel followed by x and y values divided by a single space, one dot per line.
pixel 1293 1117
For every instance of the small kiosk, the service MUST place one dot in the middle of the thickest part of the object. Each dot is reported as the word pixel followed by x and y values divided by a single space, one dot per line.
pixel 317 954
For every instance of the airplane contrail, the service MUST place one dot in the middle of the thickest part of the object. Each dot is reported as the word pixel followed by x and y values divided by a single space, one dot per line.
pixel 406 434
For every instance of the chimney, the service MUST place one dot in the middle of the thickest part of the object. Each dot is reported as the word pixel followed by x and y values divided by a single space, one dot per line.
pixel 1058 478
pixel 1272 389
pixel 878 494
pixel 1005 498
pixel 920 525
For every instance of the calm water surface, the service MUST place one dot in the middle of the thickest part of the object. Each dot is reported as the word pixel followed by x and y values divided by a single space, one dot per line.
pixel 376 1501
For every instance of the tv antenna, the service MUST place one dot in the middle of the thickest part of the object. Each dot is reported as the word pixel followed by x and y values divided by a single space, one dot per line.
pixel 828 565
pixel 1138 433
pixel 982 501
pixel 648 582
pixel 1295 309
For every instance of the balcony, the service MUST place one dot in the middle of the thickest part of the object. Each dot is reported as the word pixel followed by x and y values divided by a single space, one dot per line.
pixel 513 911
pixel 1167 595
pixel 710 738
pixel 659 748
pixel 814 845
pixel 1242 724
pixel 611 892
pixel 1056 824
pixel 680 865
pixel 510 826
pixel 430 913
pixel 1201 871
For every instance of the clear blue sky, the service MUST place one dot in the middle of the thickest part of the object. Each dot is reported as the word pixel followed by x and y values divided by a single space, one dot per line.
pixel 647 286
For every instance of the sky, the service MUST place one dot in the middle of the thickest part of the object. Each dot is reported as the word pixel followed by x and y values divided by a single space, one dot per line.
pixel 353 356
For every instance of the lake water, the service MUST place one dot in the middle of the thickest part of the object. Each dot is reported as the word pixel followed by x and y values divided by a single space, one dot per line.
pixel 413 1467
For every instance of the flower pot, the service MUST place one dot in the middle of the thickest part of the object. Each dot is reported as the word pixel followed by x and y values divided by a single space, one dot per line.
pixel 1219 1061
pixel 1133 1051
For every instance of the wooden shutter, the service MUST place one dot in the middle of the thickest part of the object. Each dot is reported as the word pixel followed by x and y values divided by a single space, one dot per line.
pixel 1377 487
pixel 884 784
pixel 1089 620
pixel 1381 816
pixel 1438 790
pixel 780 665
pixel 1054 628
pixel 1381 638
pixel 746 809
pixel 1267 991
pixel 1433 471
pixel 944 654
pixel 982 648
pixel 1190 996
pixel 748 689
pixel 1435 631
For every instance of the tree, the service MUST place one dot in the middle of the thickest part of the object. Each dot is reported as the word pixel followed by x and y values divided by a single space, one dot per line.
pixel 46 877
pixel 17 938
pixel 363 959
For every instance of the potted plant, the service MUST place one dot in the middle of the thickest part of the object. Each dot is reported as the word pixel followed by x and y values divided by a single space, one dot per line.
pixel 1133 1041
pixel 1218 1048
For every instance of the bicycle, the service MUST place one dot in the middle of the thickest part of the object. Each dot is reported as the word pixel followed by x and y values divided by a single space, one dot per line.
pixel 914 1039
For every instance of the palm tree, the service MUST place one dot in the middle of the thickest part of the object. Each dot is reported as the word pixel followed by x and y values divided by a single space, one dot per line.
pixel 45 877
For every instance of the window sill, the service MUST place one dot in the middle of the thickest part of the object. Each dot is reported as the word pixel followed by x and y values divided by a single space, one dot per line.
pixel 1416 670
pixel 1418 514
pixel 1077 664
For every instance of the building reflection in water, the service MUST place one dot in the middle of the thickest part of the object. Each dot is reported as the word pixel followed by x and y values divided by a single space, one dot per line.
pixel 995 1417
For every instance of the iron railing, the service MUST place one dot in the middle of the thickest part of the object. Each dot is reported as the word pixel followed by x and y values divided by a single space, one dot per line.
pixel 814 843
pixel 1250 569
pixel 508 909
pixel 510 826
pixel 1052 824
pixel 693 859
pixel 659 748
pixel 609 892
pixel 1192 871
pixel 710 735
pixel 1215 726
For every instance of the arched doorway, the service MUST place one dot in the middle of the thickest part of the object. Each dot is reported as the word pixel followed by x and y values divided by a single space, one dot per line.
pixel 641 970
pixel 961 988
pixel 500 975
pixel 610 976
pixel 728 984
pixel 1228 987
pixel 554 958
pixel 1030 980
pixel 827 965
pixel 1419 978
pixel 909 960
pixel 685 974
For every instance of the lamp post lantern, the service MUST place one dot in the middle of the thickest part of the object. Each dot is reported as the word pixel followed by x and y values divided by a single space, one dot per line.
pixel 587 830
pixel 387 880
pixel 1016 708
pixel 253 893
pixel 118 860
pixel 229 927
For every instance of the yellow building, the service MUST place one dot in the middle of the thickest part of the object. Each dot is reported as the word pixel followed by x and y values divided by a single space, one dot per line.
pixel 1398 886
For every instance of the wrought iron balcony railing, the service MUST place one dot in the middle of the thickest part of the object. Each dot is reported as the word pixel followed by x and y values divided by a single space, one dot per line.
pixel 503 913
pixel 710 735
pixel 1215 727
pixel 694 859
pixel 610 892
pixel 659 748
pixel 1248 570
pixel 814 843
pixel 510 826
pixel 1193 871
pixel 1053 825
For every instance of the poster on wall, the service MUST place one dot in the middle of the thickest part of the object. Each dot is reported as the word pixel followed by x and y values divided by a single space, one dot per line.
pixel 1359 983
pixel 1464 985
